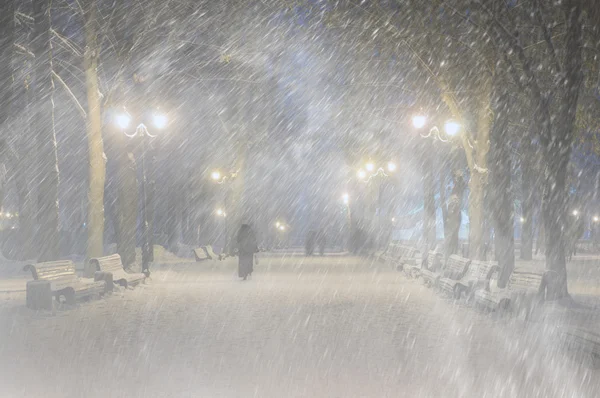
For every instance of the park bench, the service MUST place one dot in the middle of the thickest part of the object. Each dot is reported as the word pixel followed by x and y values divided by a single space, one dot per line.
pixel 56 279
pixel 477 277
pixel 200 254
pixel 406 256
pixel 454 269
pixel 525 289
pixel 584 344
pixel 211 254
pixel 431 269
pixel 111 265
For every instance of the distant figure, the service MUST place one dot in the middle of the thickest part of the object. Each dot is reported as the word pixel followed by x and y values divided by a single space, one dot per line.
pixel 310 243
pixel 247 246
pixel 321 242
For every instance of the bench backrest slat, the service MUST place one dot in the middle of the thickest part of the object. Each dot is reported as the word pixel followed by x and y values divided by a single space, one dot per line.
pixel 433 259
pixel 53 270
pixel 110 263
pixel 526 280
pixel 456 266
pixel 481 270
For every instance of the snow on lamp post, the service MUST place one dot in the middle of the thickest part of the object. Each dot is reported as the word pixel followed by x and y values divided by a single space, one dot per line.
pixel 159 121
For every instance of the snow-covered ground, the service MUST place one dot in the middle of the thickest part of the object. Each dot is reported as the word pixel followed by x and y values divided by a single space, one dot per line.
pixel 323 327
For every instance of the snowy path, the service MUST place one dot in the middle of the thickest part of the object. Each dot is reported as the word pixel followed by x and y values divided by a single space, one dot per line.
pixel 338 327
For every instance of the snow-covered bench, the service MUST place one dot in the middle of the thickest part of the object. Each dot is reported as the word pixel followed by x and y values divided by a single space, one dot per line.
pixel 200 254
pixel 401 255
pixel 454 269
pixel 431 269
pixel 55 279
pixel 112 265
pixel 211 254
pixel 524 291
pixel 477 277
pixel 584 344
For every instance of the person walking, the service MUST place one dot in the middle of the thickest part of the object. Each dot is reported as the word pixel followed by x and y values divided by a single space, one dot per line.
pixel 247 246
pixel 309 246
pixel 322 242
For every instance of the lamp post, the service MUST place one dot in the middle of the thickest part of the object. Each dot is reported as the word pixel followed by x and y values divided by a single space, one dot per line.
pixel 220 178
pixel 373 172
pixel 141 133
pixel 451 128
pixel 222 214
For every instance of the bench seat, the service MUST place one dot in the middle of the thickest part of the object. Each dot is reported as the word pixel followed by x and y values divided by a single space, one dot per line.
pixel 524 290
pixel 112 265
pixel 200 254
pixel 432 271
pixel 58 278
pixel 477 277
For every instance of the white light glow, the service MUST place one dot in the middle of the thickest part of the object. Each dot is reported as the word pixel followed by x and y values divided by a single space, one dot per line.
pixel 346 198
pixel 123 120
pixel 419 121
pixel 160 120
pixel 575 213
pixel 452 128
pixel 391 166
pixel 361 174
pixel 370 166
pixel 215 175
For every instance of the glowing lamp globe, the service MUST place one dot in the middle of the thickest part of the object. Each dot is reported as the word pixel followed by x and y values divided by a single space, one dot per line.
pixel 419 121
pixel 160 120
pixel 452 128
pixel 123 120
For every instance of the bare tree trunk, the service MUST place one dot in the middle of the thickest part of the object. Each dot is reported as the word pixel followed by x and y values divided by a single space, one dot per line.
pixel 478 180
pixel 527 188
pixel 7 17
pixel 454 213
pixel 43 127
pixel 558 151
pixel 501 198
pixel 97 163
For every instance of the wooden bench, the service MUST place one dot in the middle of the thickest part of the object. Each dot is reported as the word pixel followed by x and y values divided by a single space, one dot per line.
pixel 583 343
pixel 200 254
pixel 405 257
pixel 477 277
pixel 211 254
pixel 112 265
pixel 56 279
pixel 524 291
pixel 454 269
pixel 431 269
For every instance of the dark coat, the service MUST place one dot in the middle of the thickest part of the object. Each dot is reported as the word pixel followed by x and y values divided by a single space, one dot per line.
pixel 247 246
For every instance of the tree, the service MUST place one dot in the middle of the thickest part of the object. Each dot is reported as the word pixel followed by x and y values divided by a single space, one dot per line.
pixel 7 17
pixel 43 127
pixel 97 167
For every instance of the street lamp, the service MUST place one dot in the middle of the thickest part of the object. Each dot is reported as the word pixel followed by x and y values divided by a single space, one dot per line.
pixel 452 128
pixel 215 175
pixel 391 167
pixel 419 121
pixel 575 213
pixel 220 178
pixel 159 120
pixel 346 198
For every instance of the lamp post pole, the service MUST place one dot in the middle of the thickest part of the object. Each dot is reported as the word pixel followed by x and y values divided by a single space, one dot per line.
pixel 141 132
pixel 146 254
